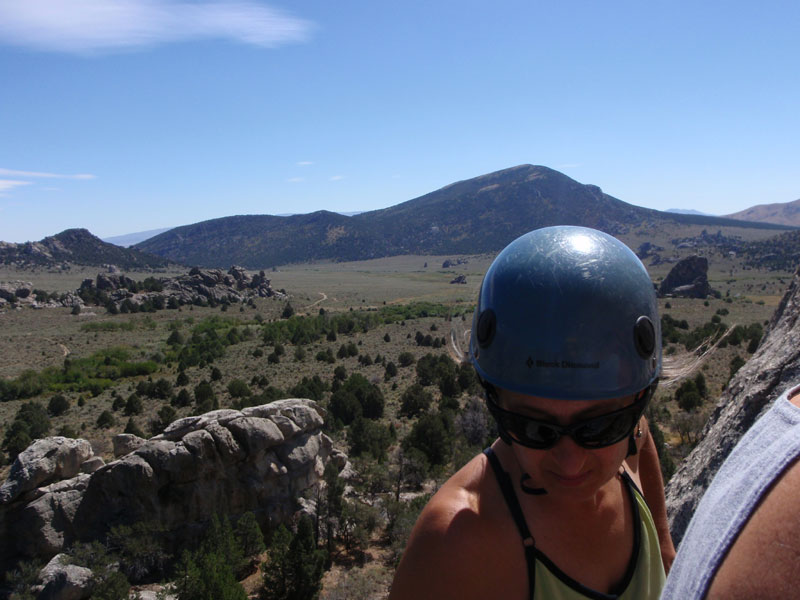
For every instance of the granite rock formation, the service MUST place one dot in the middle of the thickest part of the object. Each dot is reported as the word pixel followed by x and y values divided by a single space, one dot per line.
pixel 260 459
pixel 211 285
pixel 688 278
pixel 773 368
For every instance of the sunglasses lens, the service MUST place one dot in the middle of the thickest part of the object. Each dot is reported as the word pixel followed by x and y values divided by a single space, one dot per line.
pixel 606 430
pixel 525 431
pixel 539 435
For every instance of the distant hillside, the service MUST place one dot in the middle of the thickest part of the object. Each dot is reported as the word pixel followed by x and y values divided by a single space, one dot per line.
pixel 79 247
pixel 129 239
pixel 687 211
pixel 477 215
pixel 781 253
pixel 781 213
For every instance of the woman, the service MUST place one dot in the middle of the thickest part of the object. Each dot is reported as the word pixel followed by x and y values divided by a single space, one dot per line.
pixel 566 341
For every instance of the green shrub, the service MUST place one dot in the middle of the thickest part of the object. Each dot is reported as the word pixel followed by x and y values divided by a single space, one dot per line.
pixel 737 362
pixel 106 420
pixel 367 436
pixel 406 359
pixel 57 405
pixel 415 400
pixel 31 422
pixel 390 370
pixel 238 389
pixel 133 406
pixel 687 396
pixel 432 434
pixel 132 428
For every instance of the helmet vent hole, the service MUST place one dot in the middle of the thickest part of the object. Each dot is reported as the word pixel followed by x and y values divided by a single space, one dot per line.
pixel 487 326
pixel 644 337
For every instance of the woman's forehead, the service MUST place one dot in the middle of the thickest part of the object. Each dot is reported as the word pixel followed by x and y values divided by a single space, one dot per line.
pixel 517 402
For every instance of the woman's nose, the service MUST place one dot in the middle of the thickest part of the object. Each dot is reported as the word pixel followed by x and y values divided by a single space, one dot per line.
pixel 568 456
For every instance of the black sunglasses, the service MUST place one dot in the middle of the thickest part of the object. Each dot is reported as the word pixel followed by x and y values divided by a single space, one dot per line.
pixel 596 432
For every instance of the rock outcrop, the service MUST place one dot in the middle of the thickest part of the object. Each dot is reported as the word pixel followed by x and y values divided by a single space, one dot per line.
pixel 45 461
pixel 196 286
pixel 772 369
pixel 259 459
pixel 688 278
pixel 14 291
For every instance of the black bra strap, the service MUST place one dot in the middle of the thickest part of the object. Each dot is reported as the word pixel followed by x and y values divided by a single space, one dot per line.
pixel 507 488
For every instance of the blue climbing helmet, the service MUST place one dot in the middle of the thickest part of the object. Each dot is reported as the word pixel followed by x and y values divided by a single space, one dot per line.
pixel 567 313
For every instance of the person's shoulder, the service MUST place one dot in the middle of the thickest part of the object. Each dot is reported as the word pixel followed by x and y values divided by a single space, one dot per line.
pixel 762 563
pixel 453 548
pixel 460 511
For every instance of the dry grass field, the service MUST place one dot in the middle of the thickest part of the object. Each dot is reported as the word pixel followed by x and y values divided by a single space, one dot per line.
pixel 36 339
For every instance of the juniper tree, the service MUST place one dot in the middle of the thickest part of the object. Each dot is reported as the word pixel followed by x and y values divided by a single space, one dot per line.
pixel 294 568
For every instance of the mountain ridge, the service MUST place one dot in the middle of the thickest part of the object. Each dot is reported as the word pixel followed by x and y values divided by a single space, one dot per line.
pixel 77 246
pixel 779 213
pixel 476 215
pixel 481 214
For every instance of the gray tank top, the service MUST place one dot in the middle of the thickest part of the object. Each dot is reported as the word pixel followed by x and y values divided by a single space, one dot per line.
pixel 760 457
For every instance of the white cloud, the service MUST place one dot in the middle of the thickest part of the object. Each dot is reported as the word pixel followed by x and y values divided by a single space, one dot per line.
pixel 294 179
pixel 305 163
pixel 337 178
pixel 84 26
pixel 39 174
pixel 9 184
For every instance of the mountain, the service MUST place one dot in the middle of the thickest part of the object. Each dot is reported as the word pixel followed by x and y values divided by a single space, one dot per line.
pixel 478 215
pixel 781 213
pixel 687 211
pixel 77 246
pixel 129 239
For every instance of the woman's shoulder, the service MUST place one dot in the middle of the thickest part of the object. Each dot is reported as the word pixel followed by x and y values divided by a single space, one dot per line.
pixel 462 508
pixel 455 548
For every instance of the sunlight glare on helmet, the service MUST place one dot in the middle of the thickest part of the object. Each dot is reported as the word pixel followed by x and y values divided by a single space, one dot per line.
pixel 583 244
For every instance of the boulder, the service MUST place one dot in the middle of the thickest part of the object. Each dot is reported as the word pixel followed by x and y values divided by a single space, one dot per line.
pixel 60 580
pixel 43 526
pixel 125 443
pixel 688 278
pixel 773 368
pixel 13 291
pixel 44 461
pixel 91 465
pixel 255 435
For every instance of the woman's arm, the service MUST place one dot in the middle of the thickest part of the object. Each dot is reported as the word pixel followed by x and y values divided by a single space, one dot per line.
pixel 648 466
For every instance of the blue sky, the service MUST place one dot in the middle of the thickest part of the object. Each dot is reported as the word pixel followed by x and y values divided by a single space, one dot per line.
pixel 128 115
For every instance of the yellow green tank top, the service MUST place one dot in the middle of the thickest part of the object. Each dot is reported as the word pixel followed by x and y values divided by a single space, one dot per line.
pixel 643 579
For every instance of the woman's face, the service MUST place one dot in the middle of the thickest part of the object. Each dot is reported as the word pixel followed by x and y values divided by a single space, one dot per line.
pixel 566 469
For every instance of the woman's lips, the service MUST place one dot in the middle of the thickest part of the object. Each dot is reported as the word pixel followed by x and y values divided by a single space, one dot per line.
pixel 571 480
